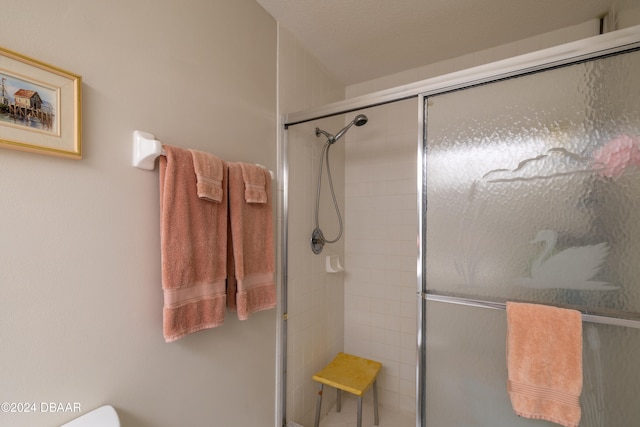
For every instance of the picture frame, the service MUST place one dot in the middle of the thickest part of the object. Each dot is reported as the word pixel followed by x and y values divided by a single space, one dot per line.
pixel 40 107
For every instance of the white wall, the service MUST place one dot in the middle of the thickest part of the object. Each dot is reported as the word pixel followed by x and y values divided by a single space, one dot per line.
pixel 497 53
pixel 80 291
pixel 625 13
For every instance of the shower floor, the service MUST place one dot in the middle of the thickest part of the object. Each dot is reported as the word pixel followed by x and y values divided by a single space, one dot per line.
pixel 347 416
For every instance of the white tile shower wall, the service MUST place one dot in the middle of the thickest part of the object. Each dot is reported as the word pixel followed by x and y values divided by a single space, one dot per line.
pixel 380 248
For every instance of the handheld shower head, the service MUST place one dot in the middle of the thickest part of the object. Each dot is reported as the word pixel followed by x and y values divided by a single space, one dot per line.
pixel 359 120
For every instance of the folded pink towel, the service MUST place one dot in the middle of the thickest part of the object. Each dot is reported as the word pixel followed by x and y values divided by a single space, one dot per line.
pixel 193 238
pixel 544 362
pixel 209 174
pixel 255 183
pixel 251 252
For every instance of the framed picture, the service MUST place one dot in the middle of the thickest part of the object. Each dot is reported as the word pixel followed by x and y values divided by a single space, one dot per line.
pixel 40 107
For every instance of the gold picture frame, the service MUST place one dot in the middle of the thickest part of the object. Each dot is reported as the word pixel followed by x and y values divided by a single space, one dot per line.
pixel 40 107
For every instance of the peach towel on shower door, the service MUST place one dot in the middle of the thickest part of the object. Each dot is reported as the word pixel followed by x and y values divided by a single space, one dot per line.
pixel 544 362
pixel 251 286
pixel 193 237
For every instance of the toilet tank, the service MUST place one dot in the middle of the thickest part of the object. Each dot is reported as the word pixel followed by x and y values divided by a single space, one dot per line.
pixel 104 416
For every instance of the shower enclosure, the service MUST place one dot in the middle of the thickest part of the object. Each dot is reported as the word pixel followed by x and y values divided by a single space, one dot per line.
pixel 516 181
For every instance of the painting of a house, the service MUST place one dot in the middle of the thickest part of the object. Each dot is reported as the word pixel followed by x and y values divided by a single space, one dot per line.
pixel 24 103
pixel 28 99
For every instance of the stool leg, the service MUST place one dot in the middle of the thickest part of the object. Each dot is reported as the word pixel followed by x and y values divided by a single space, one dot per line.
pixel 338 400
pixel 318 406
pixel 376 420
pixel 359 411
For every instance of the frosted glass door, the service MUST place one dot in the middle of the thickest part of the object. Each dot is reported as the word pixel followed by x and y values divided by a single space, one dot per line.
pixel 533 194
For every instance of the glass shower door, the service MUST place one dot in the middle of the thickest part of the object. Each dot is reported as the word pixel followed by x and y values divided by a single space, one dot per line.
pixel 533 195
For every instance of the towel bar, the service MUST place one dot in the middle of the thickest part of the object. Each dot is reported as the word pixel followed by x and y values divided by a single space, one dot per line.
pixel 606 320
pixel 146 149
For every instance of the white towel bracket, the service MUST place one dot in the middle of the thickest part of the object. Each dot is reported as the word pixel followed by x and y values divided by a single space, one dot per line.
pixel 146 149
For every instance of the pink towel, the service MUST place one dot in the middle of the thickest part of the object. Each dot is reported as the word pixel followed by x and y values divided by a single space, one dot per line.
pixel 251 286
pixel 544 362
pixel 255 183
pixel 209 175
pixel 193 237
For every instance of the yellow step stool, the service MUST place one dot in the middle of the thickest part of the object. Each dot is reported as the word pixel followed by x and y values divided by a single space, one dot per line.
pixel 352 374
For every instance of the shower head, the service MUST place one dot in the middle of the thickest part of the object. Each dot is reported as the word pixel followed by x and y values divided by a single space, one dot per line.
pixel 359 120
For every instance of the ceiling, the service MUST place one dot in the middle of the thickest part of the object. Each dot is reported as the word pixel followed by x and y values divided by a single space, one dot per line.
pixel 359 40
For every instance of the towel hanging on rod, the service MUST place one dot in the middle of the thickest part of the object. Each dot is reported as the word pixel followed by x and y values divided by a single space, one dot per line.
pixel 146 149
